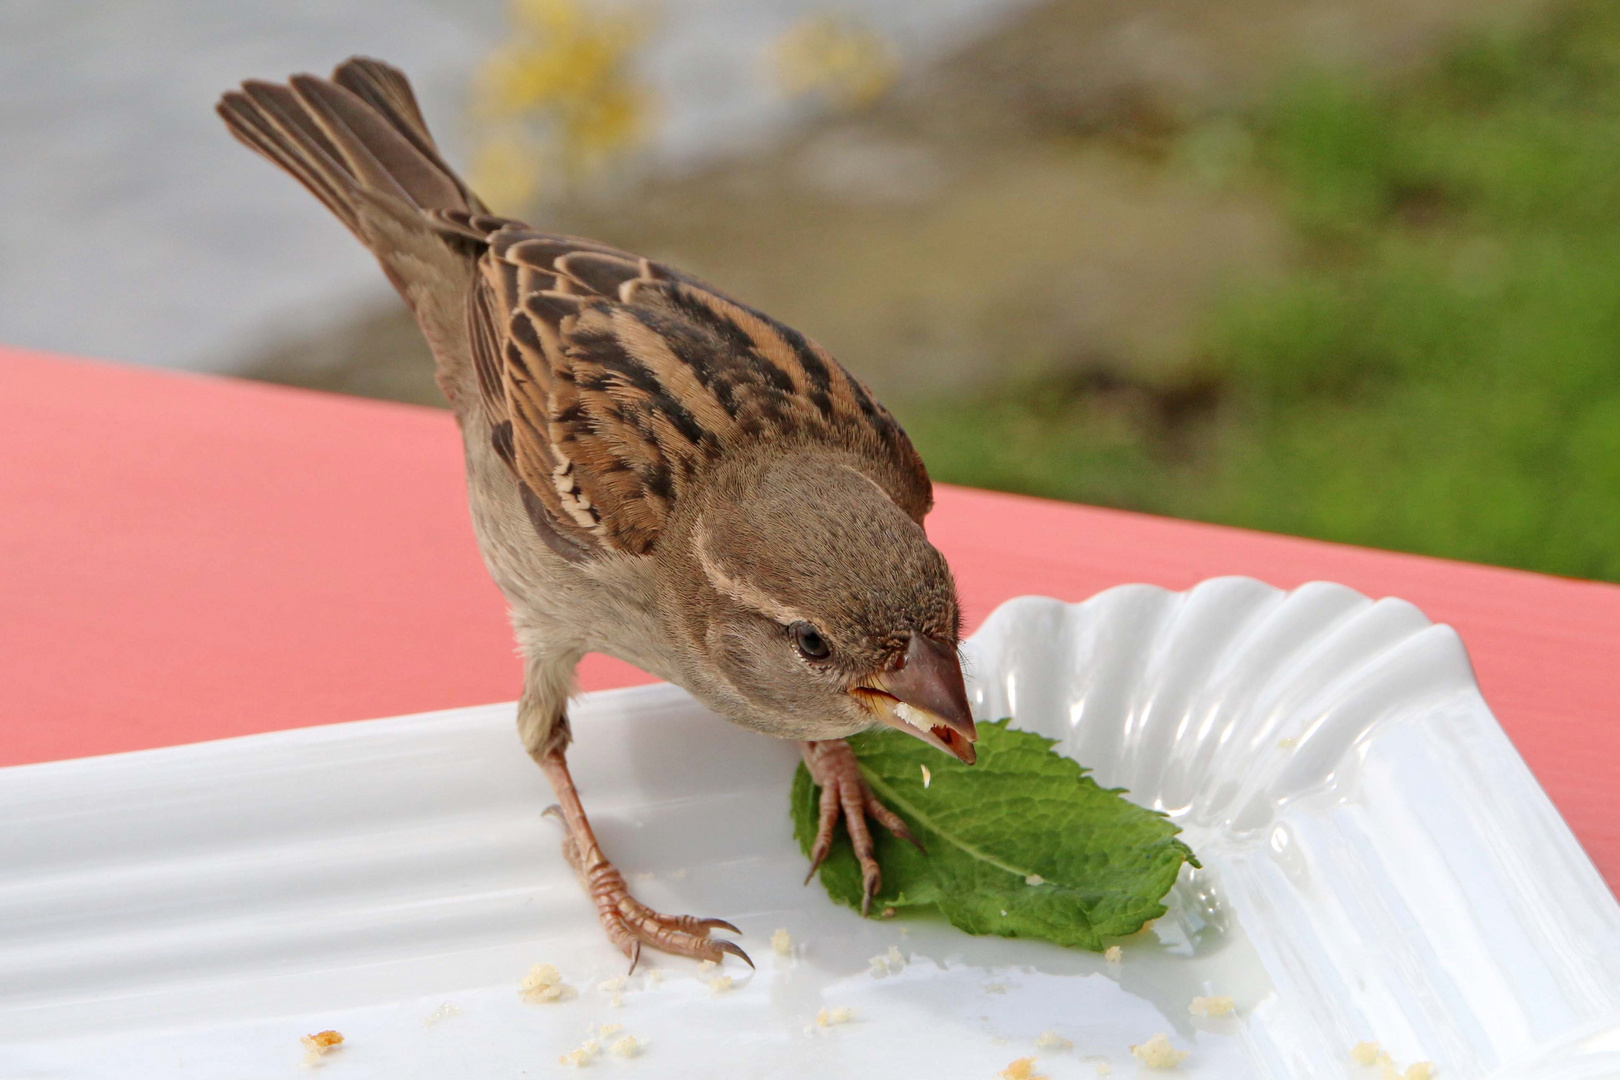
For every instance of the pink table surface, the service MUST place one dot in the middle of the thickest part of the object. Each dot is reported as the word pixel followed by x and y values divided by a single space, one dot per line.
pixel 186 558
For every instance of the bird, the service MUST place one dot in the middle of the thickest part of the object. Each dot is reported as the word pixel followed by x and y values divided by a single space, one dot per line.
pixel 655 471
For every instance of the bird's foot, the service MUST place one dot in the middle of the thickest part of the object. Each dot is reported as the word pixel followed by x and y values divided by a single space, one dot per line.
pixel 630 924
pixel 844 794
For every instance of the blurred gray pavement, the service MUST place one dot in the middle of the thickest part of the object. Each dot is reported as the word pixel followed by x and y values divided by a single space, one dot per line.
pixel 133 228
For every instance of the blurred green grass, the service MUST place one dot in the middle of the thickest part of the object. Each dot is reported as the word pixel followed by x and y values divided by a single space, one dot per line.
pixel 1441 374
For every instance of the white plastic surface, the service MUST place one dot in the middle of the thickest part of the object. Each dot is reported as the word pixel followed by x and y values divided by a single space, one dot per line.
pixel 1379 864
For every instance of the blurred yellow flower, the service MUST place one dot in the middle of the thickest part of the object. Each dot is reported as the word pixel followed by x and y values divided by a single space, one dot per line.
pixel 559 101
pixel 834 57
pixel 506 167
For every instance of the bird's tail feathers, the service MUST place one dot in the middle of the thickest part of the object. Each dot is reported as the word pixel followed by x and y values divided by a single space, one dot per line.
pixel 355 140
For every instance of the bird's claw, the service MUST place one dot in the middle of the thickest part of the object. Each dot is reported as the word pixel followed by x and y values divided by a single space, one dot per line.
pixel 630 924
pixel 733 949
pixel 844 793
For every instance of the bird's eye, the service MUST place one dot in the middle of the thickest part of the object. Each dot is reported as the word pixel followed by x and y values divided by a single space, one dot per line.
pixel 811 645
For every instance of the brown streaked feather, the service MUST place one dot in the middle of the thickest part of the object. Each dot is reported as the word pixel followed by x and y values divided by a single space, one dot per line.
pixel 387 91
pixel 631 380
pixel 258 115
pixel 602 274
pixel 486 341
pixel 378 157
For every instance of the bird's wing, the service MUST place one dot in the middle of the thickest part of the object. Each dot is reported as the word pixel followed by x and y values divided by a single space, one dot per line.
pixel 613 383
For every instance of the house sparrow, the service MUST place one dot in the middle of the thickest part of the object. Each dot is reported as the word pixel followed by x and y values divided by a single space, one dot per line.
pixel 656 471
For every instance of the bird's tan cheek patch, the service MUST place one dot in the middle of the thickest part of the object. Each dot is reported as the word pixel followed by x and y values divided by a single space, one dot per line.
pixel 735 656
pixel 761 666
pixel 746 658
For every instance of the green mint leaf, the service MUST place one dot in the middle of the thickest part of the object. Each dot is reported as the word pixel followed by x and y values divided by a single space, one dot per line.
pixel 1104 862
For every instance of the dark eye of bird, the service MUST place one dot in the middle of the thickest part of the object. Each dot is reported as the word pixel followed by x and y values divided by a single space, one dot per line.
pixel 811 645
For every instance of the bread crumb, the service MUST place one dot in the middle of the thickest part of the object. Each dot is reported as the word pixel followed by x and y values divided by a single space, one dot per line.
pixel 613 985
pixel 707 965
pixel 581 1054
pixel 888 913
pixel 1420 1070
pixel 995 988
pixel 676 875
pixel 1103 1068
pixel 543 985
pixel 627 1047
pixel 928 777
pixel 609 1029
pixel 617 1001
pixel 655 976
pixel 1114 954
pixel 1287 744
pixel 720 983
pixel 645 875
pixel 1022 1069
pixel 1365 1053
pixel 840 1014
pixel 1051 1040
pixel 1210 1006
pixel 318 1045
pixel 1157 1053
pixel 1034 879
pixel 443 1012
pixel 782 943
pixel 887 963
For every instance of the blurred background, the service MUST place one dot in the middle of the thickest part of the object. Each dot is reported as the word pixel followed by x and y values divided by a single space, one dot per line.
pixel 1347 269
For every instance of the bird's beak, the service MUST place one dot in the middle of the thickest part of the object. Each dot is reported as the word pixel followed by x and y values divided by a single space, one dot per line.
pixel 924 697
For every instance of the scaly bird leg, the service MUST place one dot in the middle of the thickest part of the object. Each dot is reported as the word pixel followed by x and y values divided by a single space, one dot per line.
pixel 833 767
pixel 629 923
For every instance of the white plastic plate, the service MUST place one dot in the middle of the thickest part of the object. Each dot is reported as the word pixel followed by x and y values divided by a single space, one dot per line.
pixel 1379 864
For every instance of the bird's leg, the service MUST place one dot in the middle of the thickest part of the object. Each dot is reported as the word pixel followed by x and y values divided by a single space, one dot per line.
pixel 629 923
pixel 543 727
pixel 833 767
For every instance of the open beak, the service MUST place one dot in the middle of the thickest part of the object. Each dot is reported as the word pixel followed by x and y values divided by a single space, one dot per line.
pixel 924 697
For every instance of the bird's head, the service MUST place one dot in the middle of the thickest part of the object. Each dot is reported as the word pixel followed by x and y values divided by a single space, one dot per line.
pixel 811 606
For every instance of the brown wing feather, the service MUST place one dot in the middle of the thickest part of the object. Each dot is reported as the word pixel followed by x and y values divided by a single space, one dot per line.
pixel 486 341
pixel 623 380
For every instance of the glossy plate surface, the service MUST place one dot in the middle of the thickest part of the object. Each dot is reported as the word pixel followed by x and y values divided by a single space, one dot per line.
pixel 1379 864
